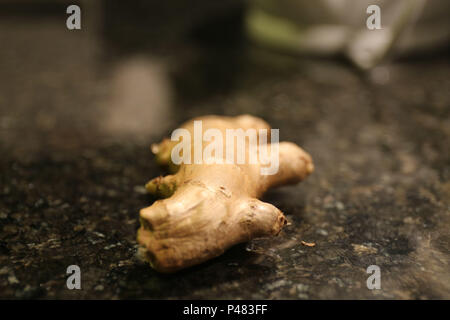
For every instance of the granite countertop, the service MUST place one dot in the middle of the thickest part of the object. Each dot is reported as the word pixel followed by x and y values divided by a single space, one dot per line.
pixel 78 114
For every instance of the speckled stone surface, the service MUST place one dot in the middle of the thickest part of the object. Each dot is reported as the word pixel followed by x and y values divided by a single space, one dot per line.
pixel 78 114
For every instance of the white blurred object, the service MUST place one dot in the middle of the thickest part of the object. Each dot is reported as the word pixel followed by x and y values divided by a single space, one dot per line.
pixel 326 27
pixel 140 98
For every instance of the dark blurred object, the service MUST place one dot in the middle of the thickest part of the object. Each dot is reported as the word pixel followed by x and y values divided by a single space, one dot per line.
pixel 33 9
pixel 160 25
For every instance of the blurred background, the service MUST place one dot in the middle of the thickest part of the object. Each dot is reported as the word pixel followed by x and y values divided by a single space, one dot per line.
pixel 80 108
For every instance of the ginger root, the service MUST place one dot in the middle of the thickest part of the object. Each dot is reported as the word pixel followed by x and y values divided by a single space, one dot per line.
pixel 208 208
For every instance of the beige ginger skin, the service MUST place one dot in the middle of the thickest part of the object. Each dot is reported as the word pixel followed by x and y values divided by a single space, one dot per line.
pixel 208 208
